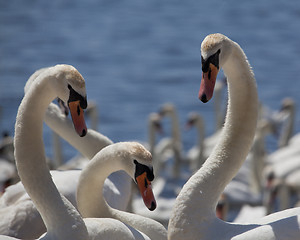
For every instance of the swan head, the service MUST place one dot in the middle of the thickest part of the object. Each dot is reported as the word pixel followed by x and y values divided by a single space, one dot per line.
pixel 287 106
pixel 215 50
pixel 140 169
pixel 155 122
pixel 167 109
pixel 71 90
pixel 193 118
pixel 69 86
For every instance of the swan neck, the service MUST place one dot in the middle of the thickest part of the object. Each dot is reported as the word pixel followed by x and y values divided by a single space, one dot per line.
pixel 63 126
pixel 206 185
pixel 151 138
pixel 31 162
pixel 91 184
pixel 175 127
pixel 240 125
pixel 201 133
pixel 90 199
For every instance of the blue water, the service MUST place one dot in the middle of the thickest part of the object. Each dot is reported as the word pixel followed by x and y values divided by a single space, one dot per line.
pixel 136 55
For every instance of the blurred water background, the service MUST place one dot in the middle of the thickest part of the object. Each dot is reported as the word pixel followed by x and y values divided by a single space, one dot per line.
pixel 136 55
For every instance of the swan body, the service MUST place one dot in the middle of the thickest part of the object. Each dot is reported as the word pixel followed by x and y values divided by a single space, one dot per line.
pixel 193 215
pixel 134 159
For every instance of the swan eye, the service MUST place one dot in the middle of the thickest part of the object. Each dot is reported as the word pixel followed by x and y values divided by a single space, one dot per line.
pixel 141 168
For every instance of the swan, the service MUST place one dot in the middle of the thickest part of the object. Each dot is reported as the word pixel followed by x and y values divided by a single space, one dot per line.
pixel 7 174
pixel 168 110
pixel 7 147
pixel 60 217
pixel 18 211
pixel 193 215
pixel 288 109
pixel 133 158
pixel 195 154
pixel 162 150
pixel 8 171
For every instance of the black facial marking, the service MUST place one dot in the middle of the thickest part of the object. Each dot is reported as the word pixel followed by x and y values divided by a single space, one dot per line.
pixel 141 168
pixel 191 122
pixel 204 98
pixel 153 206
pixel 83 133
pixel 213 59
pixel 78 110
pixel 75 96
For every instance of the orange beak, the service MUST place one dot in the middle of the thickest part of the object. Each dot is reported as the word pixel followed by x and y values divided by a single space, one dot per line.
pixel 78 118
pixel 145 188
pixel 208 83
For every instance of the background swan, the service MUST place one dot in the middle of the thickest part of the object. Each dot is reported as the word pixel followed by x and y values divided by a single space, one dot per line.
pixel 197 200
pixel 168 110
pixel 196 154
pixel 162 150
pixel 59 215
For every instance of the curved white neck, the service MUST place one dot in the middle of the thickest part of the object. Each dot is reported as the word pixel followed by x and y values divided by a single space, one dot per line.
pixel 88 146
pixel 91 202
pixel 201 132
pixel 205 186
pixel 31 163
pixel 175 126
pixel 201 135
pixel 151 136
pixel 287 131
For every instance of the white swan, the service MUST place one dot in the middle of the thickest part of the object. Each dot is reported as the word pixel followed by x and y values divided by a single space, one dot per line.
pixel 161 151
pixel 168 110
pixel 7 174
pixel 117 188
pixel 59 215
pixel 193 215
pixel 195 154
pixel 137 162
pixel 288 109
pixel 20 217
